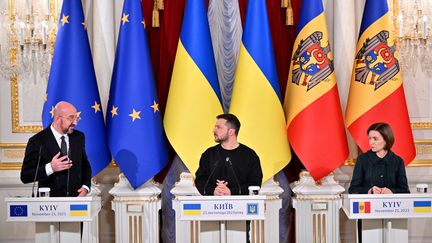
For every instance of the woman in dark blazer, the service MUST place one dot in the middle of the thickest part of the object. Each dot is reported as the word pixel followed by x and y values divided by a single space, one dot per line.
pixel 379 170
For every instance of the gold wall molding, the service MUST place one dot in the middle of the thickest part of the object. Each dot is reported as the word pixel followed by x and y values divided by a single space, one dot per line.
pixel 12 145
pixel 10 166
pixel 16 126
pixel 421 125
pixel 13 154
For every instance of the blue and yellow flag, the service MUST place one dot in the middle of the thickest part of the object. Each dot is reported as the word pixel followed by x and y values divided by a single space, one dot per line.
pixel 134 122
pixel 256 98
pixel 72 79
pixel 194 98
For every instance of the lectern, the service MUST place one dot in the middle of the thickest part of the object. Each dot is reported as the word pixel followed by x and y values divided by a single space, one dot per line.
pixel 58 219
pixel 385 216
pixel 217 218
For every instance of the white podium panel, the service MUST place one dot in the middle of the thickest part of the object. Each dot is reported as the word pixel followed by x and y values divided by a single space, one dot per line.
pixel 226 208
pixel 385 216
pixel 223 218
pixel 58 219
pixel 217 218
pixel 52 209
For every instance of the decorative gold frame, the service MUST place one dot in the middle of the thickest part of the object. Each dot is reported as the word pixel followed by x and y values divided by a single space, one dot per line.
pixel 16 127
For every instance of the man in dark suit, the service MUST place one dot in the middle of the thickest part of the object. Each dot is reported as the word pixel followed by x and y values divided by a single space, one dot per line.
pixel 53 145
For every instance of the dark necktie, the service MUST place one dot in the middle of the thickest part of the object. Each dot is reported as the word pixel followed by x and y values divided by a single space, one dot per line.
pixel 63 146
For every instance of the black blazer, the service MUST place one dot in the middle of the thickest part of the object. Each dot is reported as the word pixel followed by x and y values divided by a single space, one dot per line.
pixel 79 174
pixel 370 170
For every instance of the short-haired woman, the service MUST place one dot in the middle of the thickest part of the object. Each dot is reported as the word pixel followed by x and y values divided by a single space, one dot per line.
pixel 379 170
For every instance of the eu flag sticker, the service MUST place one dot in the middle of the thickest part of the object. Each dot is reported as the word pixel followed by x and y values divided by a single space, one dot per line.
pixel 18 211
pixel 252 208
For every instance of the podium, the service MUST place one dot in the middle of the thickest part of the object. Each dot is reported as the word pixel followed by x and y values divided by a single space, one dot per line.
pixel 219 218
pixel 58 219
pixel 385 216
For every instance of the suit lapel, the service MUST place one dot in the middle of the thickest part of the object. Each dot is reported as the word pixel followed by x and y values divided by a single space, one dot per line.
pixel 51 143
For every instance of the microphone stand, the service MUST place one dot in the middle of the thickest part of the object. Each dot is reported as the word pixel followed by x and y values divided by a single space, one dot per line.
pixel 235 176
pixel 211 173
pixel 37 169
pixel 67 180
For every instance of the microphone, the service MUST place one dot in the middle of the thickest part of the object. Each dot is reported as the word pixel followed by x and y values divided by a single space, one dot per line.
pixel 37 169
pixel 235 176
pixel 211 173
pixel 67 180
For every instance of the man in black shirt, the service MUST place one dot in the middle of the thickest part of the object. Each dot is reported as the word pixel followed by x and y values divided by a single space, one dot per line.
pixel 228 168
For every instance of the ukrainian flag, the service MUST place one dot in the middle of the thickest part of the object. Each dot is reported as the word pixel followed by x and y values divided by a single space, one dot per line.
pixel 422 207
pixel 256 98
pixel 192 209
pixel 316 130
pixel 376 92
pixel 194 98
pixel 78 210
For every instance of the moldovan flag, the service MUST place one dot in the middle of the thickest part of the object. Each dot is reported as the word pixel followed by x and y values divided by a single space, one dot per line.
pixel 316 130
pixel 376 91
pixel 194 98
pixel 256 98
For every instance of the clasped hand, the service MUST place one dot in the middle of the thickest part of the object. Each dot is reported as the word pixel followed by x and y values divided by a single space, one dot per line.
pixel 60 163
pixel 380 190
pixel 221 188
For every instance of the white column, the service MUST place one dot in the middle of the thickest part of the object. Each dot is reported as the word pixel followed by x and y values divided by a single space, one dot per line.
pixel 187 231
pixel 90 231
pixel 136 211
pixel 270 226
pixel 317 209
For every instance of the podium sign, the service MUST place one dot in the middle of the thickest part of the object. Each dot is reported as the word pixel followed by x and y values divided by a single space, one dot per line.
pixel 385 216
pixel 221 208
pixel 218 218
pixel 388 206
pixel 57 219
pixel 51 209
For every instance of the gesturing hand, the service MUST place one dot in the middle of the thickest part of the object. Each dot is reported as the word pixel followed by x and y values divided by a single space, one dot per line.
pixel 82 192
pixel 60 163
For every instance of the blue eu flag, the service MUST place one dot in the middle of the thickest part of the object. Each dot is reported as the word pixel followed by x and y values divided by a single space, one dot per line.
pixel 18 211
pixel 134 124
pixel 72 79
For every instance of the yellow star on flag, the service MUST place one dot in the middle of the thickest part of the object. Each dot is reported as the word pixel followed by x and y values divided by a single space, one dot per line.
pixel 79 114
pixel 114 111
pixel 125 18
pixel 135 115
pixel 96 107
pixel 45 97
pixel 52 111
pixel 84 24
pixel 155 106
pixel 65 19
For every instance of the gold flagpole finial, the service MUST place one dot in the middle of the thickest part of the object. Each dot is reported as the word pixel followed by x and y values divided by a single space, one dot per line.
pixel 289 14
pixel 155 15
